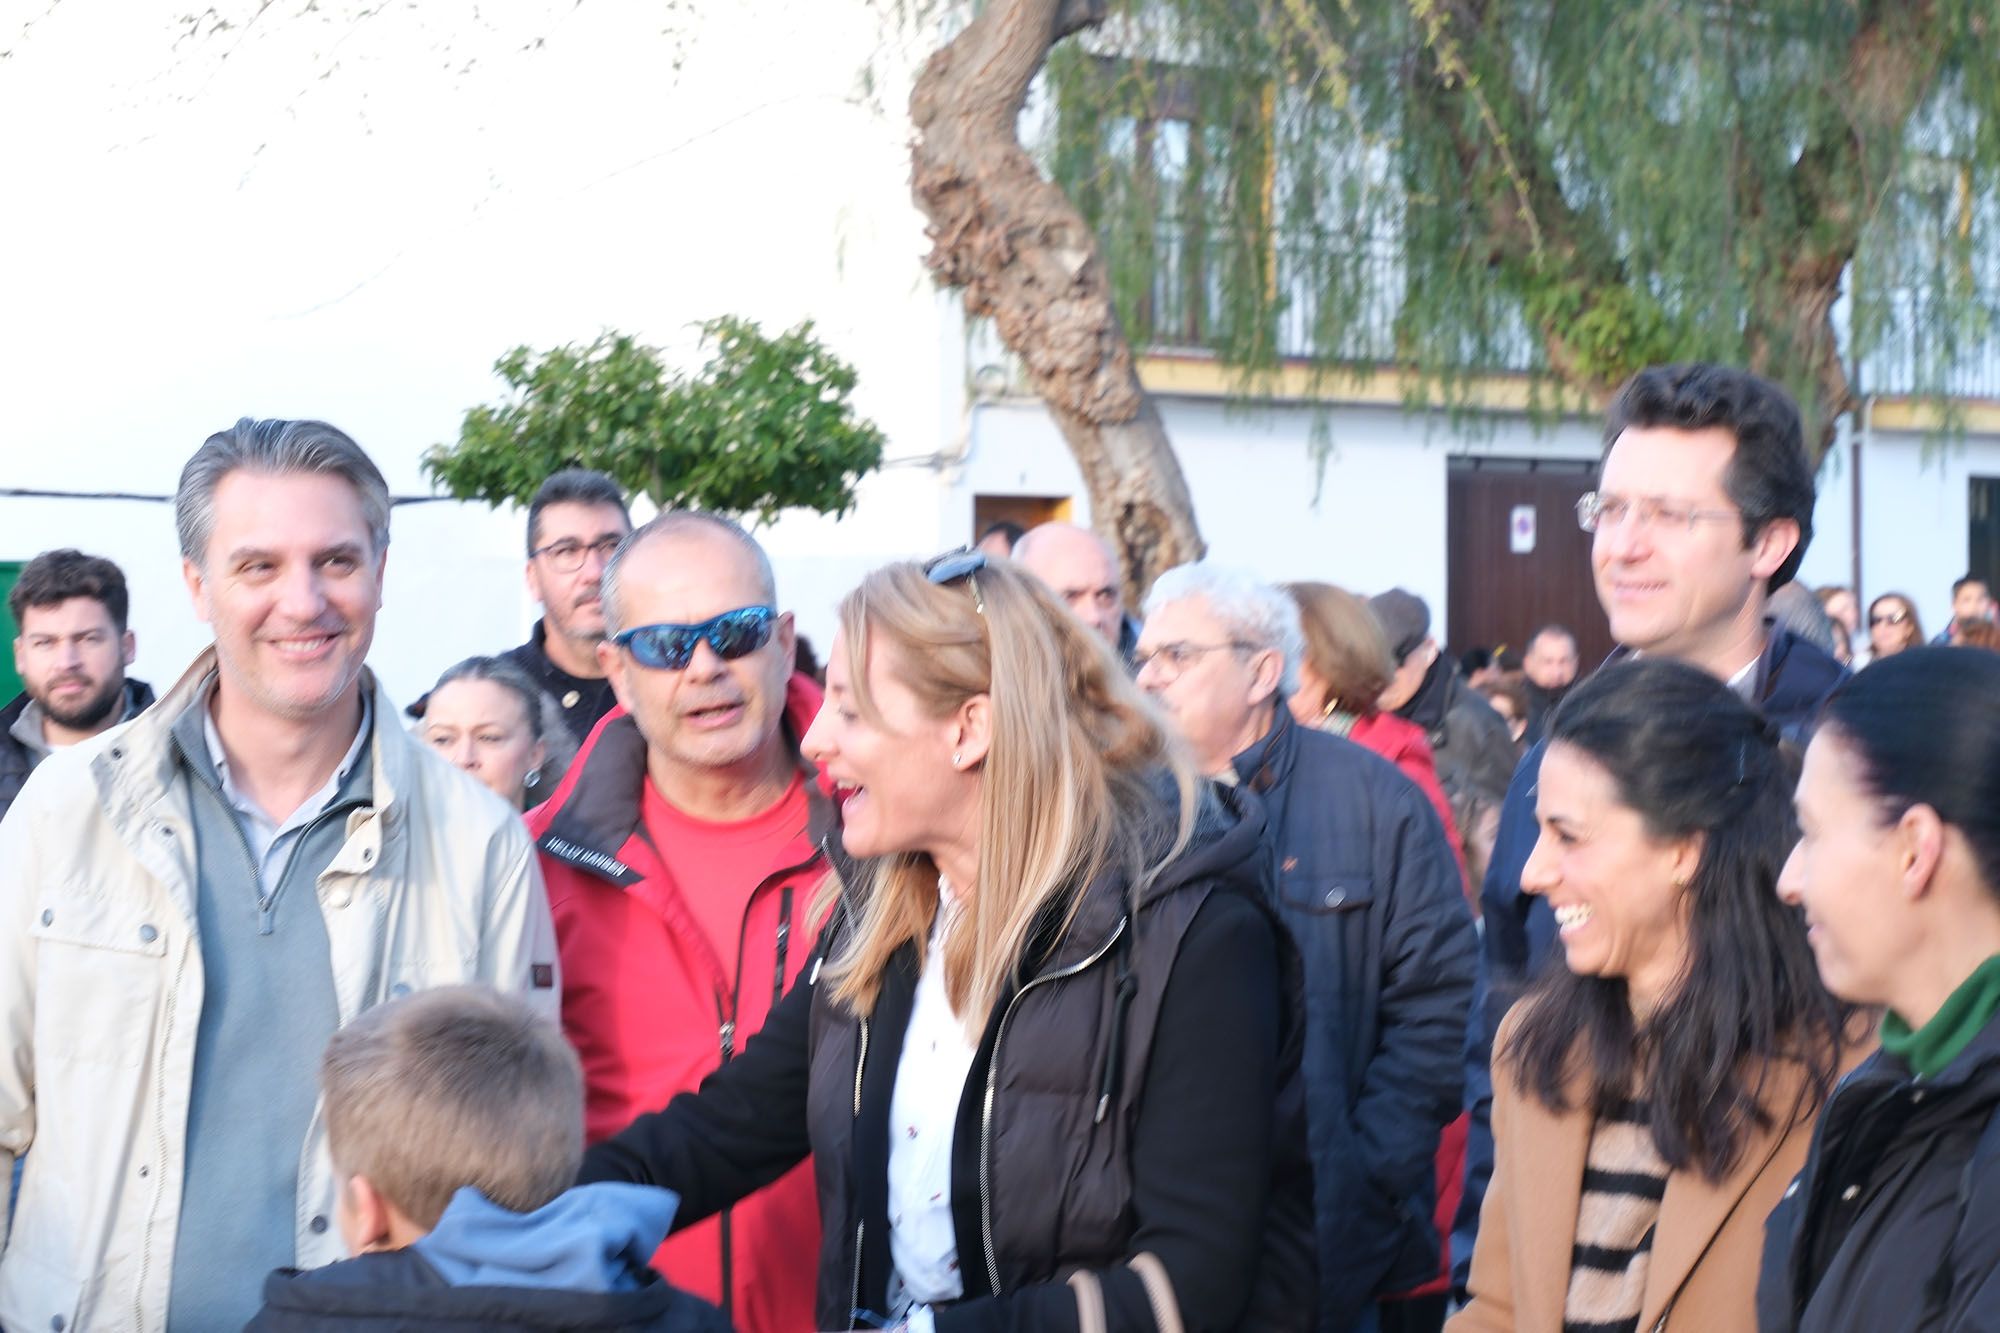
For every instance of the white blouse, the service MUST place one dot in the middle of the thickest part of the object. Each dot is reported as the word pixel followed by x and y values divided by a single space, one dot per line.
pixel 923 1112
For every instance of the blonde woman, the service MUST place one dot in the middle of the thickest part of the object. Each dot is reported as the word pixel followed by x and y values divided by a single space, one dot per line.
pixel 1039 1066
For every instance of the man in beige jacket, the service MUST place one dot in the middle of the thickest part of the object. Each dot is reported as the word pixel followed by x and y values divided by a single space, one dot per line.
pixel 191 903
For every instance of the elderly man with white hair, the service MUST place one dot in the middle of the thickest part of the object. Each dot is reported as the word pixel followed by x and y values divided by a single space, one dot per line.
pixel 1366 882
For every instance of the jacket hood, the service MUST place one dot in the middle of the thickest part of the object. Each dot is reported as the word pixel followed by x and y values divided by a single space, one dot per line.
pixel 593 1238
pixel 1433 698
pixel 1227 844
pixel 1226 850
pixel 596 808
pixel 484 1269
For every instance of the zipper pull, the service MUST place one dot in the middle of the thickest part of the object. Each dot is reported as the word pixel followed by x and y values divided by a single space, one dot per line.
pixel 728 1035
pixel 264 904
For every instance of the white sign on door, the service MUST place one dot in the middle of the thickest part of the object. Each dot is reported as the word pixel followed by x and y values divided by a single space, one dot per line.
pixel 1521 530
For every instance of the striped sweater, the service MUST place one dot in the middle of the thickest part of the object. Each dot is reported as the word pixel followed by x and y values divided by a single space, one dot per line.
pixel 1624 1180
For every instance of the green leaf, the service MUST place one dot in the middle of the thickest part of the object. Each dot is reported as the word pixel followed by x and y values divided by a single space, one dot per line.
pixel 764 425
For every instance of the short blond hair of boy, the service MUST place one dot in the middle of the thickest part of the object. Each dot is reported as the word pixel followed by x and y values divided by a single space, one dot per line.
pixel 456 1086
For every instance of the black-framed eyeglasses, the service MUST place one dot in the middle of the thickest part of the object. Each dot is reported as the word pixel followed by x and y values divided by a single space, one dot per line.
pixel 963 563
pixel 732 634
pixel 567 555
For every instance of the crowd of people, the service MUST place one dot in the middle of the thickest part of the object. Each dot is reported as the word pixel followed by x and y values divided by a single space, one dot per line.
pixel 1241 960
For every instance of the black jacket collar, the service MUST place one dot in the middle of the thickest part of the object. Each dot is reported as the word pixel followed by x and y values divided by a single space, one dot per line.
pixel 602 808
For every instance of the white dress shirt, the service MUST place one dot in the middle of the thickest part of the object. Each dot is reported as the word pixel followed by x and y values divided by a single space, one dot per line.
pixel 923 1112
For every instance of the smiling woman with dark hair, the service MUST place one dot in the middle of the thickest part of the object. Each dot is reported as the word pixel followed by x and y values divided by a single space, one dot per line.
pixel 1653 1097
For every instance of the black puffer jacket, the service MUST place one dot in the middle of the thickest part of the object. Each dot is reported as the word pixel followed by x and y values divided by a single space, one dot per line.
pixel 17 761
pixel 1894 1224
pixel 1470 743
pixel 1371 892
pixel 1137 1092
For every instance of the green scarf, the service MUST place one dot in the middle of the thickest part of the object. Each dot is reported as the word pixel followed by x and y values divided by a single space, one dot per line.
pixel 1958 1020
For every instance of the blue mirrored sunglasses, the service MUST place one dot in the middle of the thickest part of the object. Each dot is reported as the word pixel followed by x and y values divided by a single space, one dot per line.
pixel 732 634
pixel 963 563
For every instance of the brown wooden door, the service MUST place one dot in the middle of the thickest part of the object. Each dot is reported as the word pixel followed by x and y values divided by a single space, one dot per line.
pixel 1030 511
pixel 1501 593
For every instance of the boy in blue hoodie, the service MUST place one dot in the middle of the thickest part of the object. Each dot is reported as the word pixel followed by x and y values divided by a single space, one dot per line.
pixel 455 1122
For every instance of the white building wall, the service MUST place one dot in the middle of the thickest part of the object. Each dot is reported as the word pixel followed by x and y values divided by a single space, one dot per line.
pixel 1376 519
pixel 1915 512
pixel 1379 519
pixel 1830 558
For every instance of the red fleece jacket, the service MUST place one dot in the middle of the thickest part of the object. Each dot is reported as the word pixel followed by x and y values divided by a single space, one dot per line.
pixel 652 1006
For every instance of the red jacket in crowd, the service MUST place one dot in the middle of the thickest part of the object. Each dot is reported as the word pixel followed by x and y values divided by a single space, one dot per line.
pixel 653 1005
pixel 1403 744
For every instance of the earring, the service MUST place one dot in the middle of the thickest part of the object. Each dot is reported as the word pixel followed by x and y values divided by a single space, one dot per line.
pixel 534 777
pixel 958 761
pixel 1332 707
pixel 1680 881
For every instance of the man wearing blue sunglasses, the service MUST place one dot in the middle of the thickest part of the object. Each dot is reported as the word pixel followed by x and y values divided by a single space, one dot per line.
pixel 681 853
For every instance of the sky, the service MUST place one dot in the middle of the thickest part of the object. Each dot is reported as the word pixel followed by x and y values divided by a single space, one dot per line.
pixel 350 210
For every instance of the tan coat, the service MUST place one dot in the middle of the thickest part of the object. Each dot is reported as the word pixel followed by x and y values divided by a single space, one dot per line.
pixel 1709 1240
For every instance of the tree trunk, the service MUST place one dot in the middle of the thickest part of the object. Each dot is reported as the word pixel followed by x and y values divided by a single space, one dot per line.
pixel 1792 339
pixel 1024 256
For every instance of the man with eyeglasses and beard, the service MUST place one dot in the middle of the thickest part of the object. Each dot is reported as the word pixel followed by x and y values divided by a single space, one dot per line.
pixel 681 853
pixel 71 651
pixel 575 522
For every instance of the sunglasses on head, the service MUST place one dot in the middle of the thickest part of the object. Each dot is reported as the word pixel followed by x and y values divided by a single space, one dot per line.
pixel 963 563
pixel 732 634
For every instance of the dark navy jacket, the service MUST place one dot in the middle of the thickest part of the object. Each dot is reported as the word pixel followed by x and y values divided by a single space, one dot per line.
pixel 1369 888
pixel 1792 680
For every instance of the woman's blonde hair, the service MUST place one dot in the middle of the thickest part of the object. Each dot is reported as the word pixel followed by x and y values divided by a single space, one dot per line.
pixel 1345 646
pixel 1074 775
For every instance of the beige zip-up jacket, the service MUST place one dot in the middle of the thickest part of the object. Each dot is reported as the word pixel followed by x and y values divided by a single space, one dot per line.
pixel 101 989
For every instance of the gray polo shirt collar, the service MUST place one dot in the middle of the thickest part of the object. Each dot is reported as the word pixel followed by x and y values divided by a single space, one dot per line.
pixel 271 842
pixel 262 832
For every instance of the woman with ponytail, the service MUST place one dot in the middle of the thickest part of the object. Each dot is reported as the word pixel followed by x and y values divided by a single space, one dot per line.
pixel 1892 1226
